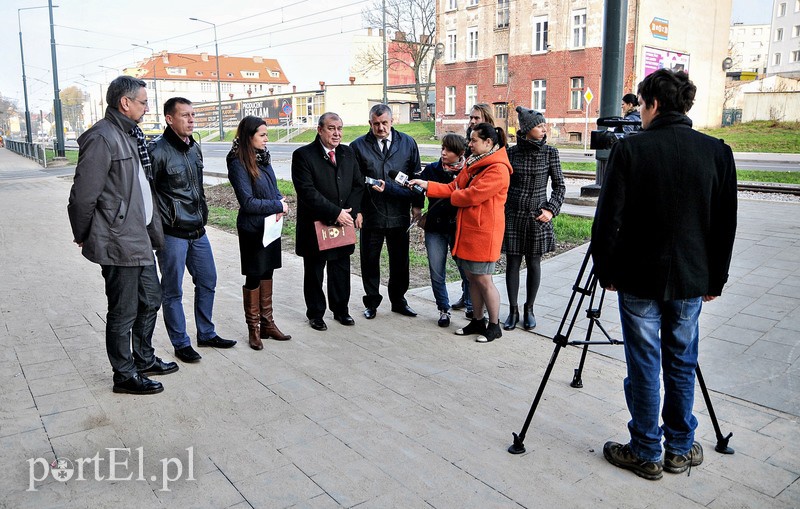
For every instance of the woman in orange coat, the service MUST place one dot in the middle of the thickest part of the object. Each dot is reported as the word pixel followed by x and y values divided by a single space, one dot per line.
pixel 479 192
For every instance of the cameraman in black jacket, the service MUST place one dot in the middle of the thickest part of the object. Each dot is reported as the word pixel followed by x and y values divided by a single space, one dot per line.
pixel 178 173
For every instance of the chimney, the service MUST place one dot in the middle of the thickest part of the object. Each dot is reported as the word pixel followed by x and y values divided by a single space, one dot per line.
pixel 165 57
pixel 322 85
pixel 399 36
pixel 204 56
pixel 294 88
pixel 258 59
pixel 352 80
pixel 369 32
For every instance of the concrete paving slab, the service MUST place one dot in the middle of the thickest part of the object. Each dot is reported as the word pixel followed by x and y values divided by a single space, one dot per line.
pixel 394 412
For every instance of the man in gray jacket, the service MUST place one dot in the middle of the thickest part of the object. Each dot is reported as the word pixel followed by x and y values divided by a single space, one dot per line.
pixel 116 223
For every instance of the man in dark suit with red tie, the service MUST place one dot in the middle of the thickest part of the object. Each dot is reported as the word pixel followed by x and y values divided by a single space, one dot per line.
pixel 329 189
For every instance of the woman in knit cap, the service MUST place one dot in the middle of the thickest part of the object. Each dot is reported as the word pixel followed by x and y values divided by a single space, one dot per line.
pixel 529 213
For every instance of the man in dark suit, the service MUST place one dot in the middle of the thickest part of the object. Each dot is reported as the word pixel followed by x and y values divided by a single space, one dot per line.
pixel 663 237
pixel 329 189
pixel 387 209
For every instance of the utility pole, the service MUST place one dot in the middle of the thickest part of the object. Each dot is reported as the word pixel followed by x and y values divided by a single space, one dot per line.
pixel 57 93
pixel 612 77
pixel 385 60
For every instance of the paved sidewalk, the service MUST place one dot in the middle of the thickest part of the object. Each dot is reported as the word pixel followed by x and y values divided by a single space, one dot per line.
pixel 391 413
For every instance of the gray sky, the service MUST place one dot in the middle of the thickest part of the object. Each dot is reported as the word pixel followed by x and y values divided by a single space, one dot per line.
pixel 310 38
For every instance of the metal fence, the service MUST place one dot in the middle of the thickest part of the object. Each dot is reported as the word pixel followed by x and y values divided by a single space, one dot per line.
pixel 35 151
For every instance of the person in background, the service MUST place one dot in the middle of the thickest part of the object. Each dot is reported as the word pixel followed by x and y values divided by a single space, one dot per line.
pixel 529 213
pixel 663 237
pixel 630 111
pixel 479 191
pixel 387 209
pixel 329 189
pixel 115 222
pixel 440 223
pixel 178 177
pixel 251 176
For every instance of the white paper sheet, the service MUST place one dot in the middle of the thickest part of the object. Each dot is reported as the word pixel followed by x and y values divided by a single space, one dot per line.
pixel 272 229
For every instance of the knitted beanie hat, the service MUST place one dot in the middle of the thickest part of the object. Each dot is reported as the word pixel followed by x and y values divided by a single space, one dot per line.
pixel 528 119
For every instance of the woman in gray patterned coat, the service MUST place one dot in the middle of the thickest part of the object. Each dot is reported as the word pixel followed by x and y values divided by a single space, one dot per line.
pixel 529 230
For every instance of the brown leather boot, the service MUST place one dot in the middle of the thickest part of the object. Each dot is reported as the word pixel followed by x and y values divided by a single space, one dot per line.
pixel 268 327
pixel 251 316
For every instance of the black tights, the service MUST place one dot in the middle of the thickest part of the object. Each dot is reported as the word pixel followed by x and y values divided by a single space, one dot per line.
pixel 513 263
pixel 253 282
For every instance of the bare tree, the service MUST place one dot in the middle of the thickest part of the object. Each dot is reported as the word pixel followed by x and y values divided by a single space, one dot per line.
pixel 413 23
pixel 72 99
pixel 8 109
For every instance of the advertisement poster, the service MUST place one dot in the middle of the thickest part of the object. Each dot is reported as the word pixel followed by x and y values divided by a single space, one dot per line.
pixel 655 59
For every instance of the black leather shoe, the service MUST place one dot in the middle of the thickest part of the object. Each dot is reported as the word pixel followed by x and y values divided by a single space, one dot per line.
pixel 318 324
pixel 345 319
pixel 459 304
pixel 404 310
pixel 160 367
pixel 138 384
pixel 370 313
pixel 187 354
pixel 216 342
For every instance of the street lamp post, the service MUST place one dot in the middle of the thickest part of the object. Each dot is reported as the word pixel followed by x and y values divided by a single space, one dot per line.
pixel 155 82
pixel 219 85
pixel 28 136
pixel 60 152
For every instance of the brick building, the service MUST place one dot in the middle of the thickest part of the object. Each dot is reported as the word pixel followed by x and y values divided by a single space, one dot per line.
pixel 547 55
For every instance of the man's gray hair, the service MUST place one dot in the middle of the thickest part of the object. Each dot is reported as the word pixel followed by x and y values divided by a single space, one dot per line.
pixel 123 86
pixel 325 116
pixel 379 110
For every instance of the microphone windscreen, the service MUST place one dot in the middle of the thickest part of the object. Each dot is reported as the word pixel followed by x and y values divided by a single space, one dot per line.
pixel 393 174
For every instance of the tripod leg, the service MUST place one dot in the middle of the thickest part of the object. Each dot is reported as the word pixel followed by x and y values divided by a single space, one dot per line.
pixel 577 382
pixel 518 447
pixel 722 442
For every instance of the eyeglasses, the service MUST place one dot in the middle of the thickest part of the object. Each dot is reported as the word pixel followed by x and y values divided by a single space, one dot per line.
pixel 143 103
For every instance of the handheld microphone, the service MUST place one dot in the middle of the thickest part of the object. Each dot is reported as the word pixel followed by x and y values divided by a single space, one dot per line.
pixel 371 181
pixel 402 179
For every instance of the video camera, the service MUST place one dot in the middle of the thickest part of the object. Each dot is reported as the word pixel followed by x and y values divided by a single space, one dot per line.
pixel 605 138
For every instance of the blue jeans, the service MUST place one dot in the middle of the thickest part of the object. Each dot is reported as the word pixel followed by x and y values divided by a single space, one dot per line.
pixel 133 296
pixel 438 246
pixel 196 256
pixel 676 354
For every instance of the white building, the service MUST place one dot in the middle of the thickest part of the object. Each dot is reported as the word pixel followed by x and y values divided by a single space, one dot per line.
pixel 749 45
pixel 784 46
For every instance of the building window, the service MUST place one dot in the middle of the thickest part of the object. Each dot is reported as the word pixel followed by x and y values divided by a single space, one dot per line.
pixel 472 3
pixel 782 9
pixel 452 5
pixel 450 101
pixel 501 69
pixel 450 54
pixel 225 87
pixel 500 111
pixel 205 86
pixel 796 29
pixel 776 59
pixel 472 96
pixel 778 34
pixel 472 43
pixel 796 5
pixel 576 93
pixel 579 28
pixel 757 32
pixel 540 34
pixel 795 56
pixel 538 94
pixel 502 13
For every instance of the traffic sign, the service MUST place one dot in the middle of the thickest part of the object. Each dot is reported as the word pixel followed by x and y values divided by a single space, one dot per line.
pixel 588 95
pixel 287 109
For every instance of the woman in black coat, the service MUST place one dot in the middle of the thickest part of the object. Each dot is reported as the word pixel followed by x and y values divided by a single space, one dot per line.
pixel 250 173
pixel 529 230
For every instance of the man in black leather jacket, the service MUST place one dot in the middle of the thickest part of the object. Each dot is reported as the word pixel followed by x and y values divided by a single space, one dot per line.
pixel 178 172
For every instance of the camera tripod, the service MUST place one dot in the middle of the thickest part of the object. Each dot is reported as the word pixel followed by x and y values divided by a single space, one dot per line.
pixel 589 289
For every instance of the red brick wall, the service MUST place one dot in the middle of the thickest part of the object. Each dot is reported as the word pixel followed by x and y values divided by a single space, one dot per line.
pixel 557 67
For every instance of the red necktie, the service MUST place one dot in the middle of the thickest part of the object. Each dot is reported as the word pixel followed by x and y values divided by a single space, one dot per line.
pixel 332 155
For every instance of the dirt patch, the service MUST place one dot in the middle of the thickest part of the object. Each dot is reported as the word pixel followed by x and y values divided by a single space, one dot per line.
pixel 223 196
